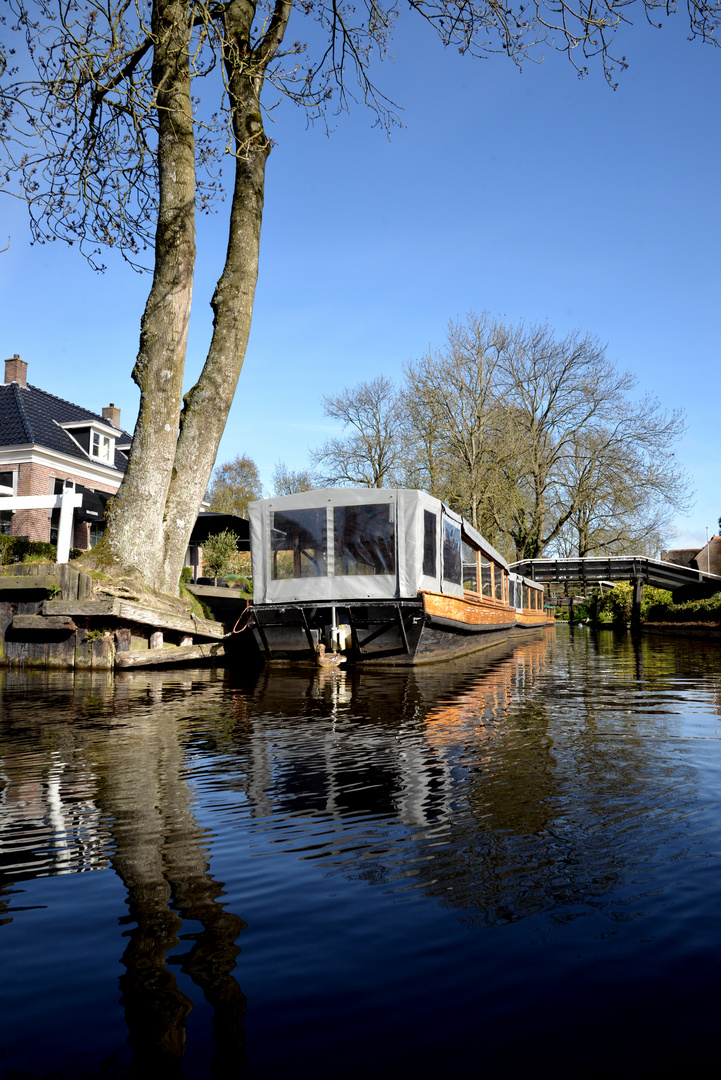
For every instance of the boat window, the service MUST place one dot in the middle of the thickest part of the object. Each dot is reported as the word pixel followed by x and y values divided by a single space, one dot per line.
pixel 511 592
pixel 486 578
pixel 470 568
pixel 429 543
pixel 451 553
pixel 499 582
pixel 298 544
pixel 365 540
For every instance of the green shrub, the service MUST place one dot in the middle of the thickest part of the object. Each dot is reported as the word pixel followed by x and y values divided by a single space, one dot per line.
pixel 581 611
pixel 237 580
pixel 218 553
pixel 655 603
pixel 186 575
pixel 618 603
pixel 39 551
pixel 708 610
pixel 15 549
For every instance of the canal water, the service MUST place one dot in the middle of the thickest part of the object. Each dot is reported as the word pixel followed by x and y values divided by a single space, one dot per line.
pixel 502 864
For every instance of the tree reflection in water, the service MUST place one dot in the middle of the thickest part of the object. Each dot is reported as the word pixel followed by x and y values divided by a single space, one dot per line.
pixel 143 806
pixel 160 856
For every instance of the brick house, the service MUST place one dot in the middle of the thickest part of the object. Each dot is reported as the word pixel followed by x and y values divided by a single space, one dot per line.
pixel 48 444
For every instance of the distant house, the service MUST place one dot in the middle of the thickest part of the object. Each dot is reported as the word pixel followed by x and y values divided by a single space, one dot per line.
pixel 48 444
pixel 707 559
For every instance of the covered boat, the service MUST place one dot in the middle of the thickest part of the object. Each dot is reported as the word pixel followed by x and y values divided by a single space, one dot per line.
pixel 526 596
pixel 381 575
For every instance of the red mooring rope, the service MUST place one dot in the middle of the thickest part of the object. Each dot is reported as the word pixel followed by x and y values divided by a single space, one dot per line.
pixel 243 615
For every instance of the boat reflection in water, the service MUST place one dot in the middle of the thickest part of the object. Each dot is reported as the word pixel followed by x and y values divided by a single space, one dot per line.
pixel 432 748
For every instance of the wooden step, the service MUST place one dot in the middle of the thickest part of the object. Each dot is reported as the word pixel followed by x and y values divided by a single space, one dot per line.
pixel 128 611
pixel 43 622
pixel 26 583
pixel 178 654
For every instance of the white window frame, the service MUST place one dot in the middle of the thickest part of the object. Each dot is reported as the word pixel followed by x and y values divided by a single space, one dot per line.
pixel 5 491
pixel 101 446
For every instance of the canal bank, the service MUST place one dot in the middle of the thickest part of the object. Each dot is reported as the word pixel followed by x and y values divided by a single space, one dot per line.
pixel 55 616
pixel 658 611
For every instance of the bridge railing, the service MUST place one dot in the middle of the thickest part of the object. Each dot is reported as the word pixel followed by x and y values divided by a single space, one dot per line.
pixel 636 568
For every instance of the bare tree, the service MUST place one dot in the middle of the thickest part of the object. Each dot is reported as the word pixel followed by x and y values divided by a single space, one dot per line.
pixel 625 483
pixel 112 125
pixel 458 422
pixel 584 448
pixel 539 441
pixel 235 483
pixel 290 481
pixel 372 451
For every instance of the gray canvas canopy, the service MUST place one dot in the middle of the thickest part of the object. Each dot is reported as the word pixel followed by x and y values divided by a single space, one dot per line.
pixel 358 544
pixel 516 585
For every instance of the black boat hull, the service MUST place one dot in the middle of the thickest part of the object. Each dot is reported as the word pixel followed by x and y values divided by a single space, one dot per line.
pixel 398 632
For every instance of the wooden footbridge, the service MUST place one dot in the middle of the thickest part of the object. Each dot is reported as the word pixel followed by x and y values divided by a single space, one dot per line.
pixel 636 569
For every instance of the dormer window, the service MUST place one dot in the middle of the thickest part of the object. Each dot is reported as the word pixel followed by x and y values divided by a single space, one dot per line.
pixel 96 438
pixel 101 447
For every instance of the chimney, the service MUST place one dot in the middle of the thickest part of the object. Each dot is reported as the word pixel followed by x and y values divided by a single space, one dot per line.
pixel 111 414
pixel 16 370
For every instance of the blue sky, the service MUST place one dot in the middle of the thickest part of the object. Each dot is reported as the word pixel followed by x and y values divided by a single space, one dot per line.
pixel 536 196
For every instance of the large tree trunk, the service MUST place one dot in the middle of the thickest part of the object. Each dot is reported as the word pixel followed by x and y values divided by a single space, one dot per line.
pixel 173 452
pixel 134 537
pixel 207 404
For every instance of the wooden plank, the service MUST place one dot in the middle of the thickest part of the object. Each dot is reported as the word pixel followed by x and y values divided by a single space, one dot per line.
pixel 96 653
pixel 221 591
pixel 478 612
pixel 147 616
pixel 80 607
pixel 26 582
pixel 135 613
pixel 176 655
pixel 43 622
